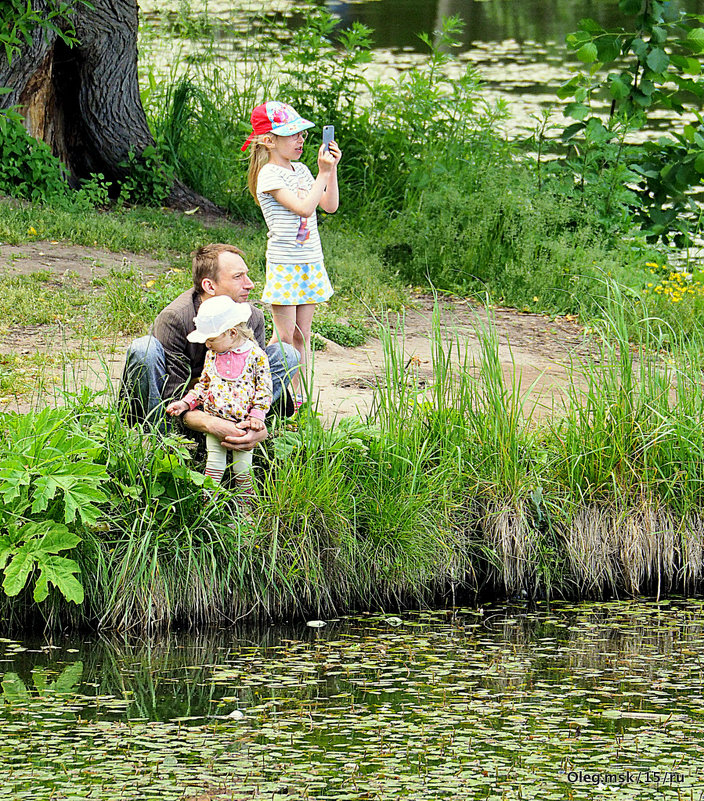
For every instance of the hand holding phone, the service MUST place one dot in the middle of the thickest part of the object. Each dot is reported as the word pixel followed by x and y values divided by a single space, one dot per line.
pixel 328 136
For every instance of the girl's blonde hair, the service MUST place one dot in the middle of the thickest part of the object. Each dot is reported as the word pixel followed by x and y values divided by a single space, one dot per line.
pixel 258 157
pixel 244 330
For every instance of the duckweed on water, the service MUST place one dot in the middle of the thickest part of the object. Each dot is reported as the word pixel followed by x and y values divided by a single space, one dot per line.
pixel 492 705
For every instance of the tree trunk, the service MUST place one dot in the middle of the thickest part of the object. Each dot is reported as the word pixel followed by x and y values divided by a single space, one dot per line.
pixel 84 101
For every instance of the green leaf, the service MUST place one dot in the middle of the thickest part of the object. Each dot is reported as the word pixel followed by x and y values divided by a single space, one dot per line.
pixel 658 60
pixel 618 88
pixel 609 48
pixel 578 111
pixel 131 491
pixel 41 588
pixel 7 548
pixel 567 134
pixel 666 170
pixel 597 132
pixel 59 571
pixel 699 163
pixel 568 89
pixel 630 6
pixel 590 25
pixel 658 35
pixel 577 39
pixel 78 484
pixel 196 477
pixel 695 39
pixel 639 47
pixel 17 572
pixel 82 499
pixel 58 539
pixel 588 53
pixel 14 474
pixel 44 491
pixel 647 87
pixel 641 98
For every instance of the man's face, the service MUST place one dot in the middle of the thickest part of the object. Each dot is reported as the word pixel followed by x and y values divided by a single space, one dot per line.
pixel 232 278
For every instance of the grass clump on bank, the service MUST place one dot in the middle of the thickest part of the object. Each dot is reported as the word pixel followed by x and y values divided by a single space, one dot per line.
pixel 447 488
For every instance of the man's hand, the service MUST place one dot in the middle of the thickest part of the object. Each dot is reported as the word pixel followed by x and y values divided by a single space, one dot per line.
pixel 233 436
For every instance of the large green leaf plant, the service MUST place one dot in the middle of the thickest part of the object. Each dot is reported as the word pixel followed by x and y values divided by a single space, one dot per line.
pixel 50 485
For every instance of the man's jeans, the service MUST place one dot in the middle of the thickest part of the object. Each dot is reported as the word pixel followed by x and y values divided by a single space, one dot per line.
pixel 144 375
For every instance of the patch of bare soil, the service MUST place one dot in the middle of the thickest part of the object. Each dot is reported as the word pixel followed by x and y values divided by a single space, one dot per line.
pixel 71 260
pixel 536 348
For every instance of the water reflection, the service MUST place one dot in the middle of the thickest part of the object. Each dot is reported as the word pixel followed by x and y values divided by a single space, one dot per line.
pixel 517 46
pixel 397 22
pixel 473 704
pixel 183 676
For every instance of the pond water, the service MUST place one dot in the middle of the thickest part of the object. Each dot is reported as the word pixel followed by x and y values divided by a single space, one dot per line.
pixel 567 701
pixel 516 45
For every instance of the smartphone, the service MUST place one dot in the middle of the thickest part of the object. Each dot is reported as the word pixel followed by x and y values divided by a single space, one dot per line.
pixel 328 135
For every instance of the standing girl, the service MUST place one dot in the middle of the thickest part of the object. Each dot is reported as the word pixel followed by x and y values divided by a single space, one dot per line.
pixel 235 383
pixel 288 196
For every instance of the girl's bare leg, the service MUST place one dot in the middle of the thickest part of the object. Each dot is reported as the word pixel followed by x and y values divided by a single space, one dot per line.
pixel 301 336
pixel 284 324
pixel 292 325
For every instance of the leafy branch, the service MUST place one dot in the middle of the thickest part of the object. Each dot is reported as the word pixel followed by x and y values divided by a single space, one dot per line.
pixel 657 64
pixel 21 18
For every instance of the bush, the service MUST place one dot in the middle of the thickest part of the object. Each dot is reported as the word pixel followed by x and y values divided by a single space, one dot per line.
pixel 28 169
pixel 349 336
pixel 486 228
pixel 423 115
pixel 148 178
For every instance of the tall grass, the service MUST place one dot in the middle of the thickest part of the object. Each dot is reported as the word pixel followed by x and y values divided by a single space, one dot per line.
pixel 629 463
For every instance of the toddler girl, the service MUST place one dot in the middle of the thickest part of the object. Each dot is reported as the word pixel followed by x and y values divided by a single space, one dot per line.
pixel 235 383
pixel 288 196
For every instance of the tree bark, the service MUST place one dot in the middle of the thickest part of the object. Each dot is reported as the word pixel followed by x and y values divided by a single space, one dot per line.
pixel 84 101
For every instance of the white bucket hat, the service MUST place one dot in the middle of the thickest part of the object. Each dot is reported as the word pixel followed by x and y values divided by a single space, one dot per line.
pixel 217 315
